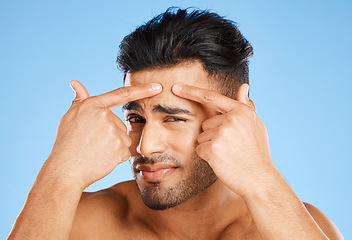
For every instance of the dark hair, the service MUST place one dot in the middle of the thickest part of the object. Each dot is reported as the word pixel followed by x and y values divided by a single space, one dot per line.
pixel 178 36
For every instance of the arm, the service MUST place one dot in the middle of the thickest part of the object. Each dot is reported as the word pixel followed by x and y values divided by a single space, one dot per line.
pixel 91 141
pixel 49 209
pixel 277 211
pixel 236 146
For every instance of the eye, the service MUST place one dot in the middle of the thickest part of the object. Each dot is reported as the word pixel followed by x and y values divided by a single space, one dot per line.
pixel 135 119
pixel 175 120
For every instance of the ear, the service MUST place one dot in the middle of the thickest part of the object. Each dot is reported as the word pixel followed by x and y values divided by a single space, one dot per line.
pixel 80 91
pixel 242 95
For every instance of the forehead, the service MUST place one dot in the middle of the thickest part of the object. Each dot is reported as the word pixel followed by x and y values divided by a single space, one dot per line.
pixel 191 73
pixel 187 73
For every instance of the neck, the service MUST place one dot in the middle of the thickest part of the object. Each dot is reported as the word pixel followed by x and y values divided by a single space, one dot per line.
pixel 206 214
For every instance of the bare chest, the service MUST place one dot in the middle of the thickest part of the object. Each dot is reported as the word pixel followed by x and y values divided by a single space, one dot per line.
pixel 233 233
pixel 178 236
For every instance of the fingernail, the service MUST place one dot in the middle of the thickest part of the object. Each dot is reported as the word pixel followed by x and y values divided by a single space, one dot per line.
pixel 72 86
pixel 156 86
pixel 177 88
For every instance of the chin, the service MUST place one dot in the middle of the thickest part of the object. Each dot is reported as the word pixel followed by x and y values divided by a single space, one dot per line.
pixel 163 189
pixel 161 196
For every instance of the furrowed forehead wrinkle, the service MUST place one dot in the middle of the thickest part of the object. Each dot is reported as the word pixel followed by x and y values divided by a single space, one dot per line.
pixel 171 110
pixel 132 106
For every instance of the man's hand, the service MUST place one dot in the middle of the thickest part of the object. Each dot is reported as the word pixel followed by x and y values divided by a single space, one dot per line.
pixel 91 141
pixel 235 142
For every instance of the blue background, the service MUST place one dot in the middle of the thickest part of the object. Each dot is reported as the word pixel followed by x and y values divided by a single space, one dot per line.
pixel 300 82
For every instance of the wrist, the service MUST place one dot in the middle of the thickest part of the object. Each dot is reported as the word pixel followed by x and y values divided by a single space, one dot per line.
pixel 55 173
pixel 267 188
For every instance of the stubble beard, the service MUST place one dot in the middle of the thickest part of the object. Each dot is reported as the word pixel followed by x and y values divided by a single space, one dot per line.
pixel 198 177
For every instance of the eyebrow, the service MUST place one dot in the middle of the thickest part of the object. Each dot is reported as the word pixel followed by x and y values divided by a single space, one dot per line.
pixel 171 110
pixel 157 108
pixel 132 106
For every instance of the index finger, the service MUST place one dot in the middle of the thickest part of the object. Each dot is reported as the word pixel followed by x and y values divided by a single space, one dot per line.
pixel 123 95
pixel 207 97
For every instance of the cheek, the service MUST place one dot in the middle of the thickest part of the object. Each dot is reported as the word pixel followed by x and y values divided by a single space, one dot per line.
pixel 184 141
pixel 135 138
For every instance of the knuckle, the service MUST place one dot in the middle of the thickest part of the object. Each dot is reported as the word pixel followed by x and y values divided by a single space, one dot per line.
pixel 222 131
pixel 213 147
pixel 110 128
pixel 117 143
pixel 124 92
pixel 209 95
pixel 104 112
pixel 231 118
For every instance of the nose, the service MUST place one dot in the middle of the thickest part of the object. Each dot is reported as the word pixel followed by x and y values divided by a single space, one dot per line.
pixel 152 140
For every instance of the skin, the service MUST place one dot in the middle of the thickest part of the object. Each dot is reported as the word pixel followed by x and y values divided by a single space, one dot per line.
pixel 249 200
pixel 160 132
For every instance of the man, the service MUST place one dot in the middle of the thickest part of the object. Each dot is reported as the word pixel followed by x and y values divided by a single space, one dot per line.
pixel 199 153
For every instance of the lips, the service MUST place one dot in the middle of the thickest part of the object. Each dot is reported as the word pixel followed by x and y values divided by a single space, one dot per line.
pixel 155 172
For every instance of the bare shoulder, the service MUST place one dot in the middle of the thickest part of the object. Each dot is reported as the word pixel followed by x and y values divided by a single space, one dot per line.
pixel 110 199
pixel 328 227
pixel 98 213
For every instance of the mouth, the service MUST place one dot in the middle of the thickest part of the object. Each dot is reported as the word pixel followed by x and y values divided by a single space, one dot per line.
pixel 155 172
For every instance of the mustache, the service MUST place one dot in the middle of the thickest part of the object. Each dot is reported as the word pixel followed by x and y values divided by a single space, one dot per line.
pixel 156 158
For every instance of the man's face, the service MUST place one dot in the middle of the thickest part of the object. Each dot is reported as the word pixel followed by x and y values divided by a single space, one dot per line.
pixel 164 131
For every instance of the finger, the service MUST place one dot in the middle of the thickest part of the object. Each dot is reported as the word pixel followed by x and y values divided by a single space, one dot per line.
pixel 124 137
pixel 203 151
pixel 126 155
pixel 81 92
pixel 242 96
pixel 213 122
pixel 120 124
pixel 123 95
pixel 209 98
pixel 207 135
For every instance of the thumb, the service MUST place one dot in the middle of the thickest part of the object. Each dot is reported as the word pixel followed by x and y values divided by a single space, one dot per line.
pixel 80 91
pixel 242 95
